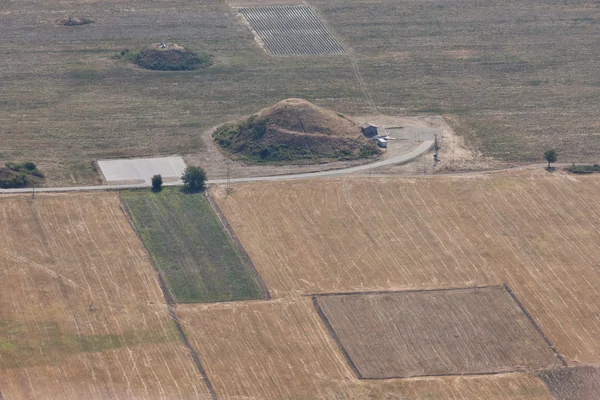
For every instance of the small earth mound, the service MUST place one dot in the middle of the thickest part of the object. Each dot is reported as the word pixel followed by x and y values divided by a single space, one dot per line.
pixel 74 21
pixel 171 57
pixel 295 130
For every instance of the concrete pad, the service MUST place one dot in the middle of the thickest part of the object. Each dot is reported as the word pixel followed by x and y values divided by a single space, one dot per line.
pixel 141 169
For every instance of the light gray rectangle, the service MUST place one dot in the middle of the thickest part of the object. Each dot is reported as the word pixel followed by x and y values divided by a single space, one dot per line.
pixel 141 168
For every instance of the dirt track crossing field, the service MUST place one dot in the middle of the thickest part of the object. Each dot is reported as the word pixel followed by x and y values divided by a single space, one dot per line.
pixel 81 313
pixel 536 232
pixel 441 332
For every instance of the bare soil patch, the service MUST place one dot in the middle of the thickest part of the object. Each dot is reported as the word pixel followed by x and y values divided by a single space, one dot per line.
pixel 579 383
pixel 449 332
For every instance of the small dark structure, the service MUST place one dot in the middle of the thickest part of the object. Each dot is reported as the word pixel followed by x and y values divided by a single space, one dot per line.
pixel 369 130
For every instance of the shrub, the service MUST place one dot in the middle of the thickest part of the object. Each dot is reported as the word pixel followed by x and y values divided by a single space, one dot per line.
pixel 368 150
pixel 194 179
pixel 28 165
pixel 584 169
pixel 157 183
pixel 13 180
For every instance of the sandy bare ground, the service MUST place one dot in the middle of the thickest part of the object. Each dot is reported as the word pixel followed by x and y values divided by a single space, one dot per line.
pixel 535 231
pixel 281 350
pixel 82 315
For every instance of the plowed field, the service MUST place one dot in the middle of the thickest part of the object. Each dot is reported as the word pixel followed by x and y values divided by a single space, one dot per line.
pixel 538 233
pixel 81 313
pixel 440 332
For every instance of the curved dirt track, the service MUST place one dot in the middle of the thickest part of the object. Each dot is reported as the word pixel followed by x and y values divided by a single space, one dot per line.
pixel 423 148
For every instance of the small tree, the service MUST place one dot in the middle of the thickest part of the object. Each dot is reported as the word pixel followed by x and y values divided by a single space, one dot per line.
pixel 194 178
pixel 551 156
pixel 157 183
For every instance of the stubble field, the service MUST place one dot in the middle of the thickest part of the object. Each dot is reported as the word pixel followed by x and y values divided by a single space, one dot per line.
pixel 81 312
pixel 538 233
pixel 513 77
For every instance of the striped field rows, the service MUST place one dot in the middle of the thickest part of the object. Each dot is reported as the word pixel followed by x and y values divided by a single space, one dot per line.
pixel 291 30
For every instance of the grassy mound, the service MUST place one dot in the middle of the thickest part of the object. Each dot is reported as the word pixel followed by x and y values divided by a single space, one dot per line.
pixel 295 130
pixel 170 58
pixel 74 21
pixel 20 175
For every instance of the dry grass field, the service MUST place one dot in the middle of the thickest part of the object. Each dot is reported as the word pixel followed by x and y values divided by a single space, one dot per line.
pixel 81 312
pixel 281 350
pixel 441 332
pixel 537 232
pixel 513 76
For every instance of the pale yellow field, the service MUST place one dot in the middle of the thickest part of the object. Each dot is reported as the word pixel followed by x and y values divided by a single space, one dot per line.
pixel 537 232
pixel 81 312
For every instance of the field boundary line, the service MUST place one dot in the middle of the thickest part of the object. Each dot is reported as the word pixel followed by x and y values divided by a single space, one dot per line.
pixel 403 291
pixel 171 307
pixel 535 325
pixel 335 337
pixel 239 247
pixel 510 371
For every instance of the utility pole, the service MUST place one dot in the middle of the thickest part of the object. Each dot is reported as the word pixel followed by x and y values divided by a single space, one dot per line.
pixel 228 185
pixel 32 190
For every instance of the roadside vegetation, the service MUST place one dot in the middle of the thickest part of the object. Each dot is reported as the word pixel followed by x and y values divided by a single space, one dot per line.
pixel 18 175
pixel 189 247
pixel 584 169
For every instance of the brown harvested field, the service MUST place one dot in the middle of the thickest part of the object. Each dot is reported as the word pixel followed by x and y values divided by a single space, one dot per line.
pixel 537 232
pixel 81 312
pixel 442 332
pixel 579 383
pixel 281 350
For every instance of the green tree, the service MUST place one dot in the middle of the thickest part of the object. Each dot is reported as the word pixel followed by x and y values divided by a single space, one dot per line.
pixel 157 183
pixel 194 179
pixel 551 156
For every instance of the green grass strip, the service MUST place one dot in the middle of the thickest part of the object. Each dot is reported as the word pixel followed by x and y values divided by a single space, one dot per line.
pixel 189 246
